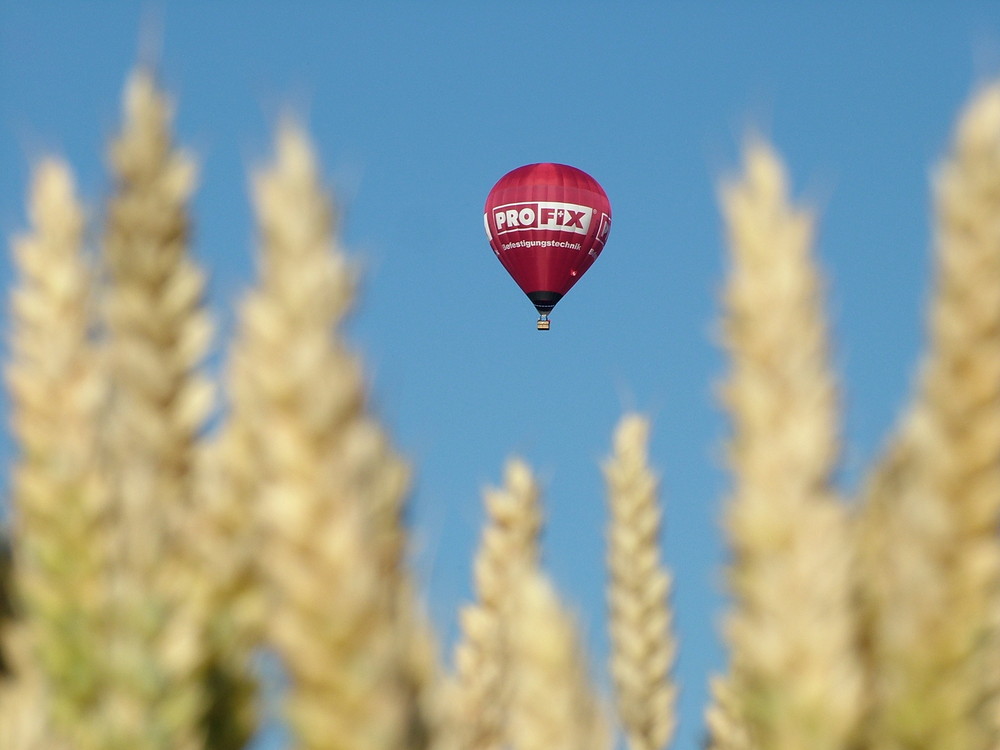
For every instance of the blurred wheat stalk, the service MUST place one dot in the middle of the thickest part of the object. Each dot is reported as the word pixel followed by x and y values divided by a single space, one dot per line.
pixel 795 674
pixel 928 528
pixel 149 559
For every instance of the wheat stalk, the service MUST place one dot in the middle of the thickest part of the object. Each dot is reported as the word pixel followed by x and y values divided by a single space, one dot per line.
pixel 59 498
pixel 727 729
pixel 643 645
pixel 157 334
pixel 552 705
pixel 928 524
pixel 509 542
pixel 323 478
pixel 791 630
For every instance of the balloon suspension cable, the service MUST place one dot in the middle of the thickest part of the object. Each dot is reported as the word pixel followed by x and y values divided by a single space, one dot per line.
pixel 543 322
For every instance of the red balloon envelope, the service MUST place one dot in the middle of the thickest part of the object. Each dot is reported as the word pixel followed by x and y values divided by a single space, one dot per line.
pixel 547 223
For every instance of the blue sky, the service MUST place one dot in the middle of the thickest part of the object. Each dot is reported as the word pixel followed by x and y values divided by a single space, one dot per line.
pixel 418 108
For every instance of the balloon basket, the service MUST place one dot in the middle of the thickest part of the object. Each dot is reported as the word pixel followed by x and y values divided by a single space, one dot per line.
pixel 543 324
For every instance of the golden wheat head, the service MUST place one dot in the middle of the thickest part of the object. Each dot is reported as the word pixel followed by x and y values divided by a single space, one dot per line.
pixel 509 542
pixel 927 528
pixel 792 629
pixel 643 645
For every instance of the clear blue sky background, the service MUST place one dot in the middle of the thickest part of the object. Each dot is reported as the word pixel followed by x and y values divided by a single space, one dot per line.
pixel 418 108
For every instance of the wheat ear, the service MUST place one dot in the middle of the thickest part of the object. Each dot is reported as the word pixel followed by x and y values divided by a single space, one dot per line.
pixel 59 499
pixel 552 704
pixel 324 473
pixel 157 334
pixel 726 728
pixel 792 629
pixel 643 645
pixel 928 523
pixel 509 542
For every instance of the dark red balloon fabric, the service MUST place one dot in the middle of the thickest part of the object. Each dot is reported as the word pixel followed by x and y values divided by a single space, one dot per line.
pixel 547 223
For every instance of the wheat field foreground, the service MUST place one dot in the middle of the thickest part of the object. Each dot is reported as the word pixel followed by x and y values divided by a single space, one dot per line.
pixel 154 552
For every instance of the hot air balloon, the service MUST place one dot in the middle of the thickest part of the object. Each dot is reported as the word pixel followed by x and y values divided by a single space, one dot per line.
pixel 547 223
